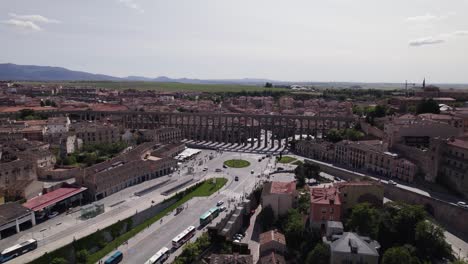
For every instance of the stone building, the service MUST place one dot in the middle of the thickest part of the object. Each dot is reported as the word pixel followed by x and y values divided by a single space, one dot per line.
pixel 146 161
pixel 280 196
pixel 162 135
pixel 97 133
pixel 57 125
pixel 450 158
pixel 272 241
pixel 352 193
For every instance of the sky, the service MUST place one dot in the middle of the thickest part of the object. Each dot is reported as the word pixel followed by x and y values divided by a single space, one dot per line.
pixel 294 40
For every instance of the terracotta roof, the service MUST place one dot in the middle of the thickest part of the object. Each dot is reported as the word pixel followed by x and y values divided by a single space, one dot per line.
pixel 272 258
pixel 325 195
pixel 282 187
pixel 51 198
pixel 272 235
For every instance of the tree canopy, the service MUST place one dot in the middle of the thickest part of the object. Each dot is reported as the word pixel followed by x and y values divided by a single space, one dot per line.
pixel 319 255
pixel 428 106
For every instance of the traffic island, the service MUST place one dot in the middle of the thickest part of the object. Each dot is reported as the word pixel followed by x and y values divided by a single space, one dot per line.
pixel 237 163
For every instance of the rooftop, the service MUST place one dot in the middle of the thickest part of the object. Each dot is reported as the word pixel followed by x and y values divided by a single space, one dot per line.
pixel 325 195
pixel 352 243
pixel 231 259
pixel 272 235
pixel 272 258
pixel 10 211
pixel 40 202
pixel 280 187
pixel 458 143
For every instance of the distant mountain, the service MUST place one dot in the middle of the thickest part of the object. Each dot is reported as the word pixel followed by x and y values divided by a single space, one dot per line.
pixel 9 71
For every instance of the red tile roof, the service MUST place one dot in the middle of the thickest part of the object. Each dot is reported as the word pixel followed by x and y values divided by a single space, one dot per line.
pixel 283 187
pixel 51 198
pixel 272 235
pixel 325 195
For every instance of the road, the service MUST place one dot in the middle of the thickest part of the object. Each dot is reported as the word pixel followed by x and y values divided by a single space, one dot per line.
pixel 144 245
pixel 62 229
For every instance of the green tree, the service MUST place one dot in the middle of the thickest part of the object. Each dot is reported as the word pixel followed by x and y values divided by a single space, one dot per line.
pixel 59 261
pixel 268 85
pixel 396 255
pixel 364 219
pixel 334 135
pixel 303 203
pixel 430 241
pixel 294 229
pixel 26 113
pixel 267 217
pixel 428 106
pixel 82 256
pixel 353 134
pixel 319 255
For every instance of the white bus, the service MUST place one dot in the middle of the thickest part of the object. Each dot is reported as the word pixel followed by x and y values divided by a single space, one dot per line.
pixel 160 256
pixel 183 237
pixel 17 250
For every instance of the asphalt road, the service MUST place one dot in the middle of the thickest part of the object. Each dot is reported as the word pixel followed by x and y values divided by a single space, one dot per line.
pixel 140 248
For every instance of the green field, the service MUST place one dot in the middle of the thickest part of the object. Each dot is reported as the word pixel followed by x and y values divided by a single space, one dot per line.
pixel 237 163
pixel 286 159
pixel 169 87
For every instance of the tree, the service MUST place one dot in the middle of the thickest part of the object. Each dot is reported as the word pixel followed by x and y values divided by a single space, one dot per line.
pixel 42 104
pixel 353 134
pixel 428 106
pixel 303 203
pixel 59 261
pixel 364 219
pixel 267 217
pixel 396 255
pixel 82 256
pixel 26 113
pixel 268 85
pixel 430 241
pixel 334 135
pixel 294 229
pixel 319 255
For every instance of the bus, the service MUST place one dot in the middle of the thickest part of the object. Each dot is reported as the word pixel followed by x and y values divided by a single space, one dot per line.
pixel 17 250
pixel 209 215
pixel 115 258
pixel 183 237
pixel 160 256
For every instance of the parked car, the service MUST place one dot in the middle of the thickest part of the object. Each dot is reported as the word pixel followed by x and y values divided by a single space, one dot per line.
pixel 252 172
pixel 391 182
pixel 462 204
pixel 205 169
pixel 236 178
pixel 280 169
pixel 219 203
pixel 224 166
pixel 218 170
pixel 223 208
pixel 52 214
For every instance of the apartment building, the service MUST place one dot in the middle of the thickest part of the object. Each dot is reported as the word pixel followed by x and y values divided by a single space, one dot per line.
pixel 97 133
pixel 325 205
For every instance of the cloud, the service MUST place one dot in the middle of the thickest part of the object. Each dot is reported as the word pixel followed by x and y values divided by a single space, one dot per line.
pixel 28 25
pixel 131 4
pixel 33 18
pixel 439 39
pixel 460 33
pixel 426 41
pixel 424 18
